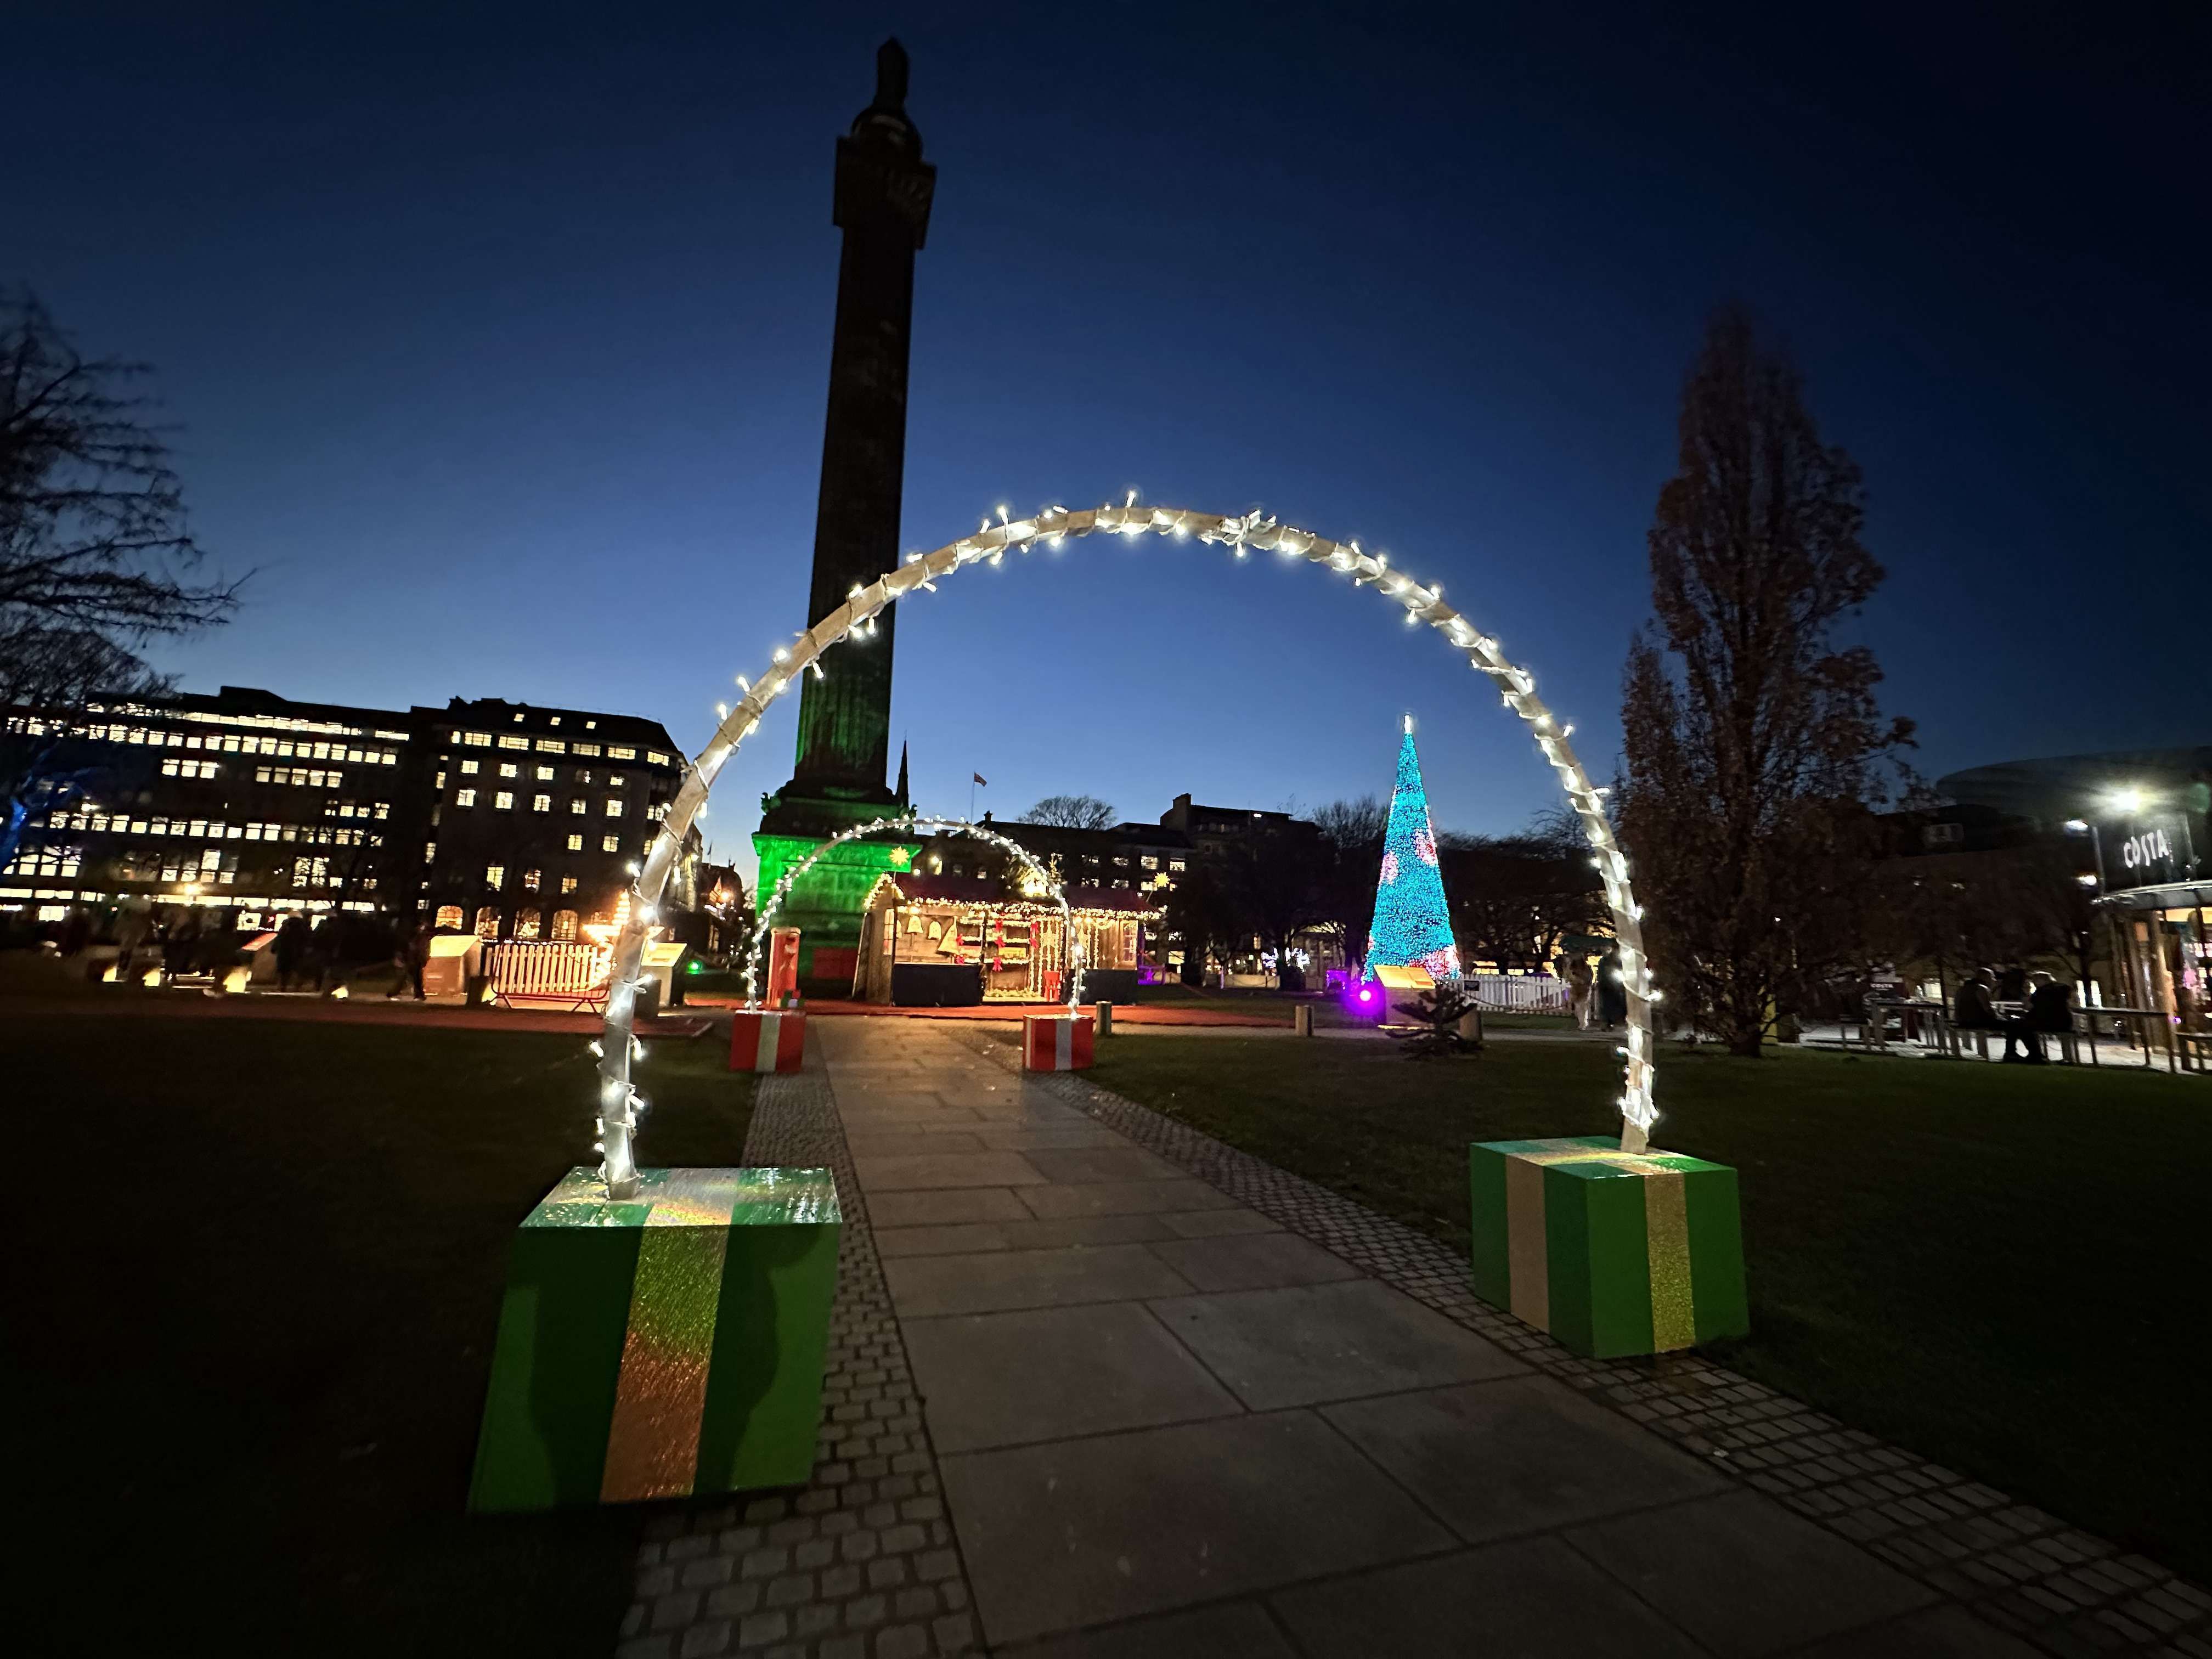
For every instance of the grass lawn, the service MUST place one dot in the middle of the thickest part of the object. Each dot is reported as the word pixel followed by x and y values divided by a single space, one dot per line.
pixel 256 1291
pixel 1955 1256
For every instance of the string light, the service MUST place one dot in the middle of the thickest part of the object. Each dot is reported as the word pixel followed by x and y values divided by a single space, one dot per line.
pixel 1236 531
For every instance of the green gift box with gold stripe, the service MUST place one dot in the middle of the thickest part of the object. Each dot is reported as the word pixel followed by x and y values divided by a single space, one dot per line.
pixel 661 1346
pixel 1614 1253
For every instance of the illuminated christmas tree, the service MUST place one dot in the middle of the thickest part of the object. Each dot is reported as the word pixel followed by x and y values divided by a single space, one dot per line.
pixel 1412 924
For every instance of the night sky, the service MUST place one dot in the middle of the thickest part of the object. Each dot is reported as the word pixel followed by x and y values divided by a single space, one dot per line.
pixel 499 345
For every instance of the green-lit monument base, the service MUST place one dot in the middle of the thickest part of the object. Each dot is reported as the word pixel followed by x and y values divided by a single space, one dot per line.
pixel 662 1345
pixel 1613 1253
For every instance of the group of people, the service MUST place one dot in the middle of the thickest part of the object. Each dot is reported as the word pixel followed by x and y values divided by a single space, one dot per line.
pixel 2046 1008
pixel 1597 998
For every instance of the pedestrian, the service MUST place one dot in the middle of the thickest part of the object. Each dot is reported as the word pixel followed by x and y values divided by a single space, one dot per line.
pixel 1578 993
pixel 412 956
pixel 179 943
pixel 1611 991
pixel 77 932
pixel 134 921
pixel 291 948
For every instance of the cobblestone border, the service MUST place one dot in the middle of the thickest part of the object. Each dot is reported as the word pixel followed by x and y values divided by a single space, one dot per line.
pixel 2063 1591
pixel 862 1563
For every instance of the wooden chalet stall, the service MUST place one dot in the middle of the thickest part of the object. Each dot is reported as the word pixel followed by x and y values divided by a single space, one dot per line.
pixel 955 941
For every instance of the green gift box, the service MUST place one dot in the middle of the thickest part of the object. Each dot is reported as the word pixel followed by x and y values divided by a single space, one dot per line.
pixel 661 1346
pixel 1614 1253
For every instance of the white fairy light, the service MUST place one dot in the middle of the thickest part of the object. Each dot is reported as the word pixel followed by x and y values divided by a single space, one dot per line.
pixel 1517 687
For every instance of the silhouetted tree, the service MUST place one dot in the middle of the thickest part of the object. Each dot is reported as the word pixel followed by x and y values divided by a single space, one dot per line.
pixel 1754 748
pixel 1070 812
pixel 1351 834
pixel 1514 898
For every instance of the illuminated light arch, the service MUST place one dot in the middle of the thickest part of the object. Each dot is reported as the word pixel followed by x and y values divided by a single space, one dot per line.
pixel 914 821
pixel 1242 535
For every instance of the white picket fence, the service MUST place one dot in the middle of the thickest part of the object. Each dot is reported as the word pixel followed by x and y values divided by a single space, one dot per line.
pixel 1520 994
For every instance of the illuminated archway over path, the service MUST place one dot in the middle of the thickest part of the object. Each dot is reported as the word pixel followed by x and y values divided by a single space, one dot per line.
pixel 1420 603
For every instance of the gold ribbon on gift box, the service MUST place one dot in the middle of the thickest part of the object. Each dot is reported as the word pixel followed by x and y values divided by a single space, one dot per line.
pixel 1666 1236
pixel 660 1394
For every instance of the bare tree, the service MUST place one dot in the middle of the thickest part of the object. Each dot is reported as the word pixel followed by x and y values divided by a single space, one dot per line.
pixel 1755 752
pixel 1351 833
pixel 93 546
pixel 1071 812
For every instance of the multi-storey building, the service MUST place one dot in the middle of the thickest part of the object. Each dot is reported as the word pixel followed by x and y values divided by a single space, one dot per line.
pixel 495 818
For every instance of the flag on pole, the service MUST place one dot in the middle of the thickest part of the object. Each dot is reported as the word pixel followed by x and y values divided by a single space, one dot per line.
pixel 980 779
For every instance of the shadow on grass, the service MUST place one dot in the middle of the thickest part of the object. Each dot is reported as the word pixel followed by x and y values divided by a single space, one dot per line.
pixel 1999 1267
pixel 265 1284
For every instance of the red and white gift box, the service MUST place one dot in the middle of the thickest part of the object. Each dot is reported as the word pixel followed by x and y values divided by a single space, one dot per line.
pixel 1056 1042
pixel 763 1041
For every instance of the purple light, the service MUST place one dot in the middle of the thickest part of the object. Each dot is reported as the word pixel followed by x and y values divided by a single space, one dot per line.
pixel 1367 996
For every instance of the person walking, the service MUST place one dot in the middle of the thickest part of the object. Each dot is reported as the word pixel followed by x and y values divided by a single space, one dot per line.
pixel 134 922
pixel 291 948
pixel 1611 993
pixel 409 959
pixel 1578 993
pixel 179 943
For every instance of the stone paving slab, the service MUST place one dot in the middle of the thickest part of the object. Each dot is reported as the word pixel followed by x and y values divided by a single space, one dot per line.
pixel 1236 1630
pixel 1525 1454
pixel 948 1205
pixel 1253 1261
pixel 891 1173
pixel 1533 1596
pixel 1305 1344
pixel 1084 1531
pixel 921 1285
pixel 1744 1578
pixel 1006 1379
pixel 1123 1198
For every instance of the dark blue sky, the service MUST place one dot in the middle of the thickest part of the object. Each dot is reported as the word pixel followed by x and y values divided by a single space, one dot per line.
pixel 500 341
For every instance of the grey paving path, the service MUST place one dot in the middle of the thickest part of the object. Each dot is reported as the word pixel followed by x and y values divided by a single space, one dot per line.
pixel 1144 1394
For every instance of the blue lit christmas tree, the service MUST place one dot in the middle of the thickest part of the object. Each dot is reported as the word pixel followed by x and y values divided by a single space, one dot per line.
pixel 1412 924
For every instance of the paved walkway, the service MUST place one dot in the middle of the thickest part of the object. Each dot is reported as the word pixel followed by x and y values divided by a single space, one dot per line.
pixel 1099 1398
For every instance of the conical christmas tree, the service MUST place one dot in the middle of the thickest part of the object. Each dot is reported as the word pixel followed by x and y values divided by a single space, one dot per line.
pixel 1412 924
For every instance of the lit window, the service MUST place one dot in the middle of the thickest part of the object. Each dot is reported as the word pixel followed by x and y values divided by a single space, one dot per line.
pixel 530 879
pixel 504 801
pixel 656 757
pixel 616 779
pixel 525 923
pixel 429 852
pixel 591 726
pixel 564 924
pixel 494 876
pixel 510 770
pixel 614 807
pixel 477 739
pixel 587 749
pixel 488 922
pixel 611 843
pixel 464 798
pixel 449 915
pixel 441 782
pixel 568 884
pixel 577 804
pixel 541 803
pixel 1148 862
pixel 544 775
pixel 469 768
pixel 614 753
pixel 552 746
pixel 513 740
pixel 576 843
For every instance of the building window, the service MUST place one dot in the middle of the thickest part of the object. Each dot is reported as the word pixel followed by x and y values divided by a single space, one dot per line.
pixel 525 923
pixel 576 805
pixel 568 884
pixel 488 922
pixel 614 808
pixel 530 880
pixel 564 924
pixel 510 770
pixel 1150 862
pixel 494 876
pixel 544 775
pixel 449 915
pixel 541 803
pixel 504 801
pixel 576 843
pixel 587 748
pixel 513 739
pixel 615 753
pixel 477 739
pixel 464 798
pixel 429 852
pixel 611 843
pixel 469 767
pixel 656 757
pixel 1174 864
pixel 552 746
